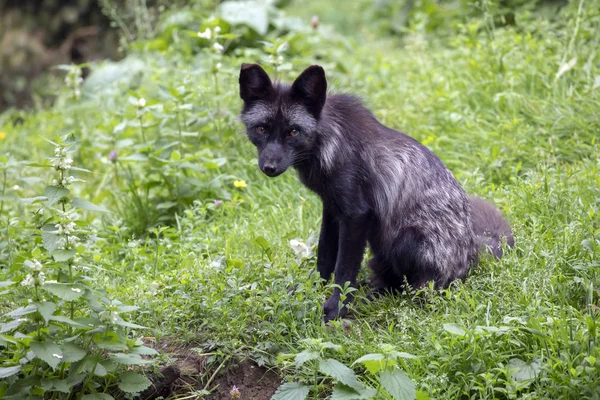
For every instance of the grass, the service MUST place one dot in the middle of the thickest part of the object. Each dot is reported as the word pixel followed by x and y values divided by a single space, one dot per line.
pixel 506 108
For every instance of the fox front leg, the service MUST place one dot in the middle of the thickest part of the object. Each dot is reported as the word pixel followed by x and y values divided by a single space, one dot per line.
pixel 328 245
pixel 351 247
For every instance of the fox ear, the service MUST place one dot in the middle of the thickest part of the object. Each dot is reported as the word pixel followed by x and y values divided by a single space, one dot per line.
pixel 311 88
pixel 255 84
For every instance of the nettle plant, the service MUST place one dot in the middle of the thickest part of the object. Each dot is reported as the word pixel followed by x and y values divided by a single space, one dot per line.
pixel 64 335
pixel 384 379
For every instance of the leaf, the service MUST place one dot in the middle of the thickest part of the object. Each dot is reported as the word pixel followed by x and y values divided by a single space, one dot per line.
pixel 33 200
pixel 19 312
pixel 305 356
pixel 9 326
pixel 55 193
pixel 47 351
pixel 398 385
pixel 97 396
pixel 86 205
pixel 375 362
pixel 249 13
pixel 132 382
pixel 143 350
pixel 52 241
pixel 455 329
pixel 340 372
pixel 72 352
pixel 68 321
pixel 46 309
pixel 343 392
pixel 6 283
pixel 64 255
pixel 128 359
pixel 520 370
pixel 5 372
pixel 291 391
pixel 65 291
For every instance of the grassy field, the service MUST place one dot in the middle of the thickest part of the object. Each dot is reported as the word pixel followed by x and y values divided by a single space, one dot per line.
pixel 176 220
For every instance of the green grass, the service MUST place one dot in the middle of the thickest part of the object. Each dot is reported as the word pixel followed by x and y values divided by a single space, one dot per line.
pixel 491 102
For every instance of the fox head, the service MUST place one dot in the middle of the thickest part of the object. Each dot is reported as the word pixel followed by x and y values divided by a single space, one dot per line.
pixel 281 120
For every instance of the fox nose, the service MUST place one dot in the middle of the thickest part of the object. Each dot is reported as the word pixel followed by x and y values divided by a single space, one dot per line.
pixel 270 170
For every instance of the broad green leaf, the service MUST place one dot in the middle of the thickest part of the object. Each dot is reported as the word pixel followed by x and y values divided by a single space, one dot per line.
pixel 343 392
pixel 97 396
pixel 86 205
pixel 520 370
pixel 52 241
pixel 374 363
pixel 128 359
pixel 305 356
pixel 47 351
pixel 340 372
pixel 46 309
pixel 33 200
pixel 175 156
pixel 398 385
pixel 6 283
pixel 291 391
pixel 55 193
pixel 421 395
pixel 9 326
pixel 132 382
pixel 66 320
pixel 72 352
pixel 5 372
pixel 65 291
pixel 19 312
pixel 64 255
pixel 454 329
pixel 143 350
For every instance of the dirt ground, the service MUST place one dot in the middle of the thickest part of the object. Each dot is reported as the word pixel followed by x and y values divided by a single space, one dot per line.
pixel 188 371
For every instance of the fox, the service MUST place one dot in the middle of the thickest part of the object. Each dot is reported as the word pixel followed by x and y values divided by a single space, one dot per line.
pixel 378 187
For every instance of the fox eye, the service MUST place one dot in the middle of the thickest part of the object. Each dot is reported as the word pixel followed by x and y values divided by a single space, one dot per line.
pixel 293 132
pixel 260 130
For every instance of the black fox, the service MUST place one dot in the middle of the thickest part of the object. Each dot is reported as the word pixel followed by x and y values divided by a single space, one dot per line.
pixel 378 186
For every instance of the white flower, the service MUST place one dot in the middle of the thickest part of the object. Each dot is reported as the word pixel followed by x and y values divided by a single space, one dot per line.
pixel 41 278
pixel 54 182
pixel 206 34
pixel 217 29
pixel 16 187
pixel 109 316
pixel 141 102
pixel 59 228
pixel 28 281
pixel 218 66
pixel 73 240
pixel 300 249
pixel 153 288
pixel 37 266
pixel 70 179
pixel 218 47
pixel 64 182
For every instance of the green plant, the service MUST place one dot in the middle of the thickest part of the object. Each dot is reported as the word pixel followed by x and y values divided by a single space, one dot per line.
pixel 382 367
pixel 67 335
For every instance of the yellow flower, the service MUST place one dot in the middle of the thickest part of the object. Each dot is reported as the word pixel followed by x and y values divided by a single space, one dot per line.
pixel 2 135
pixel 240 184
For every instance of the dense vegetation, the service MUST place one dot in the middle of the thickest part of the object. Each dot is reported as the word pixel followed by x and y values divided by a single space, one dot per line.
pixel 133 213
